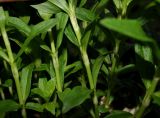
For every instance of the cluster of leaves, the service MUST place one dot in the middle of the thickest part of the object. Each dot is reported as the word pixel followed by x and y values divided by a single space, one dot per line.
pixel 92 58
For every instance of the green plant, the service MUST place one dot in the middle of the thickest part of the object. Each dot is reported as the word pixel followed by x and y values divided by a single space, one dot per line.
pixel 82 56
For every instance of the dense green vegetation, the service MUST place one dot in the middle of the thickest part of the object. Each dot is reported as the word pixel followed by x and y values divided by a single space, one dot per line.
pixel 80 59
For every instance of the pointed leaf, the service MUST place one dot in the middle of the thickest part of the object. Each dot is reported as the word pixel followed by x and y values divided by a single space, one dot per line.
pixel 144 52
pixel 62 64
pixel 74 97
pixel 62 19
pixel 144 60
pixel 62 4
pixel 46 9
pixel 46 48
pixel 125 69
pixel 43 27
pixel 19 24
pixel 85 14
pixel 96 68
pixel 71 35
pixel 8 105
pixel 34 106
pixel 36 30
pixel 4 55
pixel 25 19
pixel 85 39
pixel 26 81
pixel 51 106
pixel 76 67
pixel 131 28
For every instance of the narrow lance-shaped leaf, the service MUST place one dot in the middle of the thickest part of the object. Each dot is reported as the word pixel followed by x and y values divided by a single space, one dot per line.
pixel 46 48
pixel 62 19
pixel 85 14
pixel 96 68
pixel 19 24
pixel 131 28
pixel 26 81
pixel 71 35
pixel 85 39
pixel 62 64
pixel 62 4
pixel 3 54
pixel 76 66
pixel 25 19
pixel 36 30
pixel 46 9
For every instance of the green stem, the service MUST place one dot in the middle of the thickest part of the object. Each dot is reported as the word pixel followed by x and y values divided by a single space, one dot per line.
pixel 55 62
pixel 24 114
pixel 84 55
pixel 77 31
pixel 147 97
pixel 88 69
pixel 13 65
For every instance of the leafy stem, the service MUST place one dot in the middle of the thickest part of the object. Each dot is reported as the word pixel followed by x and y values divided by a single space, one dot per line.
pixel 14 68
pixel 55 61
pixel 12 64
pixel 84 54
pixel 147 98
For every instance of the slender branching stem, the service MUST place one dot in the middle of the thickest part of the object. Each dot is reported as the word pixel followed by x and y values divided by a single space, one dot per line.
pixel 55 61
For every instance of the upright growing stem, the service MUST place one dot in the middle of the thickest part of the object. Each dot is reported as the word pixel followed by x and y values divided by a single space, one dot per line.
pixel 55 62
pixel 84 55
pixel 77 31
pixel 14 69
pixel 12 64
